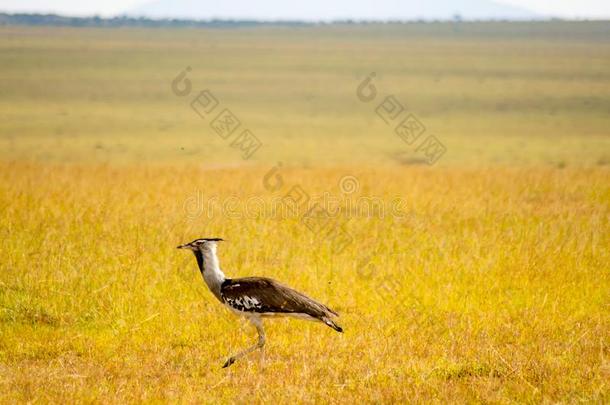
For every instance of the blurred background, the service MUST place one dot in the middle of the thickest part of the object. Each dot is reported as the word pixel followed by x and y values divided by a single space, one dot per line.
pixel 492 91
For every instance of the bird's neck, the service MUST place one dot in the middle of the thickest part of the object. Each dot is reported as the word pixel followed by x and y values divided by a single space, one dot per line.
pixel 210 270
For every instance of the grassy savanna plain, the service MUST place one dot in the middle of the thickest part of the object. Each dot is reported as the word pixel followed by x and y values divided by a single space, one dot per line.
pixel 490 284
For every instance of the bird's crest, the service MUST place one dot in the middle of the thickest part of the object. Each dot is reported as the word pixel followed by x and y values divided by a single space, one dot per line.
pixel 197 243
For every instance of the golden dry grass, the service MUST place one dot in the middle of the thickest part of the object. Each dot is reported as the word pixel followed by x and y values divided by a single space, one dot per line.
pixel 491 283
pixel 492 287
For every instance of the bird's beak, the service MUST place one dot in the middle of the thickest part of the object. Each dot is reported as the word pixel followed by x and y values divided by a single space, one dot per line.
pixel 181 247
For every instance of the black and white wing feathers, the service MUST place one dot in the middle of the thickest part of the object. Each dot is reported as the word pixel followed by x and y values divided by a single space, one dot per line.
pixel 267 296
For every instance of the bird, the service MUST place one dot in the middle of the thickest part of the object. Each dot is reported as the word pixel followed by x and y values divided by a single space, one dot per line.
pixel 255 298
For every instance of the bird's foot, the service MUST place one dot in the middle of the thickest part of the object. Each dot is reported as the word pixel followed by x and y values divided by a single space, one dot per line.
pixel 229 361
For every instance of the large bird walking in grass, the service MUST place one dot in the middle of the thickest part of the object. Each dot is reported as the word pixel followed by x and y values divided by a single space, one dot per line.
pixel 255 298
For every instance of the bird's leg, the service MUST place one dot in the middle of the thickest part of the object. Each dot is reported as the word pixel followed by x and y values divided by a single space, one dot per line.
pixel 258 323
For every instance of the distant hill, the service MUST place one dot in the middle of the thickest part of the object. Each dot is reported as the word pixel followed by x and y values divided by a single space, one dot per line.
pixel 124 21
pixel 327 10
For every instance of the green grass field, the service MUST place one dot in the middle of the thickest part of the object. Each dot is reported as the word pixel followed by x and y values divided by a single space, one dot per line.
pixel 490 284
pixel 490 95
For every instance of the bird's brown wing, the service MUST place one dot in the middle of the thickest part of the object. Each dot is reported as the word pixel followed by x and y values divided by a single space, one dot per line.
pixel 265 295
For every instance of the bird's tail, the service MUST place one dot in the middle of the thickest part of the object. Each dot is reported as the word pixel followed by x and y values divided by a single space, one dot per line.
pixel 332 324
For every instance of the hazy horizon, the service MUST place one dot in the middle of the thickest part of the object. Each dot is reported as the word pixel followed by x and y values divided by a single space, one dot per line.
pixel 539 9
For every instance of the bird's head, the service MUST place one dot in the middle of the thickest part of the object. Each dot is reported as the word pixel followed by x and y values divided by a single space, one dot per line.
pixel 202 244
